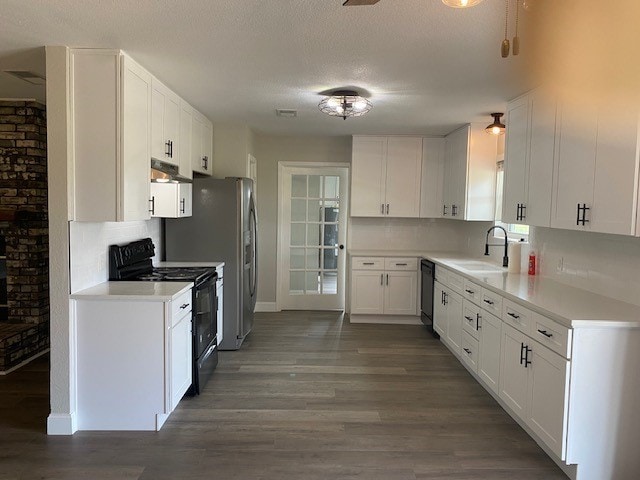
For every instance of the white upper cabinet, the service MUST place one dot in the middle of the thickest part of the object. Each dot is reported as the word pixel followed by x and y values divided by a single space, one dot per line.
pixel 596 172
pixel 171 200
pixel 185 139
pixel 385 176
pixel 469 174
pixel 165 124
pixel 111 114
pixel 432 177
pixel 201 144
pixel 529 155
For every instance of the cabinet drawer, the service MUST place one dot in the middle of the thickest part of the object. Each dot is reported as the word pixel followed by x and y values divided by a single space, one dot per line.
pixel 470 318
pixel 398 263
pixel 517 316
pixel 456 282
pixel 367 263
pixel 491 302
pixel 469 351
pixel 180 306
pixel 551 334
pixel 472 291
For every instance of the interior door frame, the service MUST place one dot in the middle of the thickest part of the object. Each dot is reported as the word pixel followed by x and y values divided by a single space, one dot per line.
pixel 279 244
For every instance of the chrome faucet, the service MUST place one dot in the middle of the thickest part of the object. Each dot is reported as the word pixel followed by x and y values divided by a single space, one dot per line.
pixel 505 259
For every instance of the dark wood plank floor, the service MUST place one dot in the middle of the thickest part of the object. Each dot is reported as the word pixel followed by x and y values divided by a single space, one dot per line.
pixel 308 397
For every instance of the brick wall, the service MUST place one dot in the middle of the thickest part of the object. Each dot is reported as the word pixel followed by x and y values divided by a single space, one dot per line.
pixel 23 189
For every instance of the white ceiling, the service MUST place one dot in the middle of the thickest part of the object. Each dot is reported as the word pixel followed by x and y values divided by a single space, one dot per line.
pixel 428 68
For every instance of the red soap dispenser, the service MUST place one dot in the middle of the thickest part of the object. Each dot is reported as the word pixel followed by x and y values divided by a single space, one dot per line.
pixel 532 262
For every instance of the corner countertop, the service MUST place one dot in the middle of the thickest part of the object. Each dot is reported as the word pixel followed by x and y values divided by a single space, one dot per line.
pixel 134 291
pixel 190 264
pixel 569 306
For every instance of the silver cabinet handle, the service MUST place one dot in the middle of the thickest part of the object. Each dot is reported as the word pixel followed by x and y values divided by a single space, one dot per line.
pixel 401 264
pixel 488 302
pixel 545 333
pixel 381 279
pixel 387 209
pixel 368 263
pixel 470 319
pixel 183 306
pixel 513 315
pixel 387 279
pixel 467 350
pixel 470 292
pixel 382 208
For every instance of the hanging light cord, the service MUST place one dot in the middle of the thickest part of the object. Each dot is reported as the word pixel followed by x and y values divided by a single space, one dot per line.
pixel 506 19
pixel 517 15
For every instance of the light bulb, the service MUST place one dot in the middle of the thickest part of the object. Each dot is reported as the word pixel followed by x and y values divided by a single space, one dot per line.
pixel 495 130
pixel 360 105
pixel 333 102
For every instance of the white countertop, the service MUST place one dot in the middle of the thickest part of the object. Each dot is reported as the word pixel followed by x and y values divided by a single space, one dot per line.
pixel 567 305
pixel 136 291
pixel 190 264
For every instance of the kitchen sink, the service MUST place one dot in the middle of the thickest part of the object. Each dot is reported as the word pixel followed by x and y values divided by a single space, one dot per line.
pixel 479 266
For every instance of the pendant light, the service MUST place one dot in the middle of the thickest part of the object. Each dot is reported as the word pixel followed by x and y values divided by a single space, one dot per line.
pixel 345 103
pixel 461 3
pixel 497 127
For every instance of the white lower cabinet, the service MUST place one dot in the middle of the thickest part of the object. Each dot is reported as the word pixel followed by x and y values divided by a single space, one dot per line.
pixel 133 361
pixel 534 384
pixel 447 316
pixel 384 286
pixel 220 311
pixel 439 310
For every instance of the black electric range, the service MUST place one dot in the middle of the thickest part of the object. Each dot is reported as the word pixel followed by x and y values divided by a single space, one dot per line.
pixel 132 262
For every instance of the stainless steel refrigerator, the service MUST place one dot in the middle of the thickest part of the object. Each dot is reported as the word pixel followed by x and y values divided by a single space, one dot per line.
pixel 222 228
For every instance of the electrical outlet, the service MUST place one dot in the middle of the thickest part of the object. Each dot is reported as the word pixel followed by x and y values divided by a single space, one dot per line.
pixel 560 264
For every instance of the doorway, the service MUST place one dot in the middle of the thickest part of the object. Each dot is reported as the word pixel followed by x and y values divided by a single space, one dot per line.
pixel 312 221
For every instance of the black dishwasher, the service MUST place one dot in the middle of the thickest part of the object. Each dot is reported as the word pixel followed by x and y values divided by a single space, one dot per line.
pixel 427 270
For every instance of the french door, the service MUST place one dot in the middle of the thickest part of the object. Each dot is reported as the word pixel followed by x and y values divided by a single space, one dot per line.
pixel 312 236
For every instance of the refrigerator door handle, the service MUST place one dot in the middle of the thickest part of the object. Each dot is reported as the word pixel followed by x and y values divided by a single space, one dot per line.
pixel 253 279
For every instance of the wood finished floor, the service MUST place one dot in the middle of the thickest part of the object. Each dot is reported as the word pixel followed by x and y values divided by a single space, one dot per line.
pixel 308 397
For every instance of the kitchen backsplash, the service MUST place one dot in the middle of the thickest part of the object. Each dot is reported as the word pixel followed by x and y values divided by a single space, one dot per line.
pixel 605 264
pixel 417 234
pixel 90 244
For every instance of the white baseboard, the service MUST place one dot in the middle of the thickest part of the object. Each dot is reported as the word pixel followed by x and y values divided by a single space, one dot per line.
pixel 62 424
pixel 266 307
pixel 386 319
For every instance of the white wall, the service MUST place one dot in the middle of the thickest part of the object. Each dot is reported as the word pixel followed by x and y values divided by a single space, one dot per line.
pixel 604 264
pixel 89 246
pixel 269 150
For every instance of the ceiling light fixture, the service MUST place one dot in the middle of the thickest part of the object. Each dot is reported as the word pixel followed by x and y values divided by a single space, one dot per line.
pixel 461 3
pixel 345 103
pixel 496 128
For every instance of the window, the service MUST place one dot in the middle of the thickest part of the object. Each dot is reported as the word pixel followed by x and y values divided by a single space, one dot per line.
pixel 514 230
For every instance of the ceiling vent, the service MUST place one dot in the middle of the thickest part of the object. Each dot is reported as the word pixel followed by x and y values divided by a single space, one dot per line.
pixel 284 112
pixel 29 77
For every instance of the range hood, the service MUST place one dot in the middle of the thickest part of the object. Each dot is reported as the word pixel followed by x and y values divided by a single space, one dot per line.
pixel 162 172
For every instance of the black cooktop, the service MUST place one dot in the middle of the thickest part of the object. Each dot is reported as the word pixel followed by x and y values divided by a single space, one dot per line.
pixel 133 262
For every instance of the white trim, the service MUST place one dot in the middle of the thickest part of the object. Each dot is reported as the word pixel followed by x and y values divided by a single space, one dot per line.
pixel 23 363
pixel 62 424
pixel 266 307
pixel 386 319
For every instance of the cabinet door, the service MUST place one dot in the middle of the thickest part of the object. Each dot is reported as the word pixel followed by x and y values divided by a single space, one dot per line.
pixel 165 120
pixel 513 374
pixel 433 150
pixel 547 397
pixel 457 172
pixel 136 149
pixel 185 199
pixel 515 159
pixel 439 310
pixel 367 292
pixel 197 154
pixel 186 144
pixel 403 169
pixel 181 359
pixel 448 193
pixel 574 172
pixel 207 147
pixel 615 184
pixel 400 293
pixel 489 356
pixel 542 125
pixel 453 303
pixel 368 176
